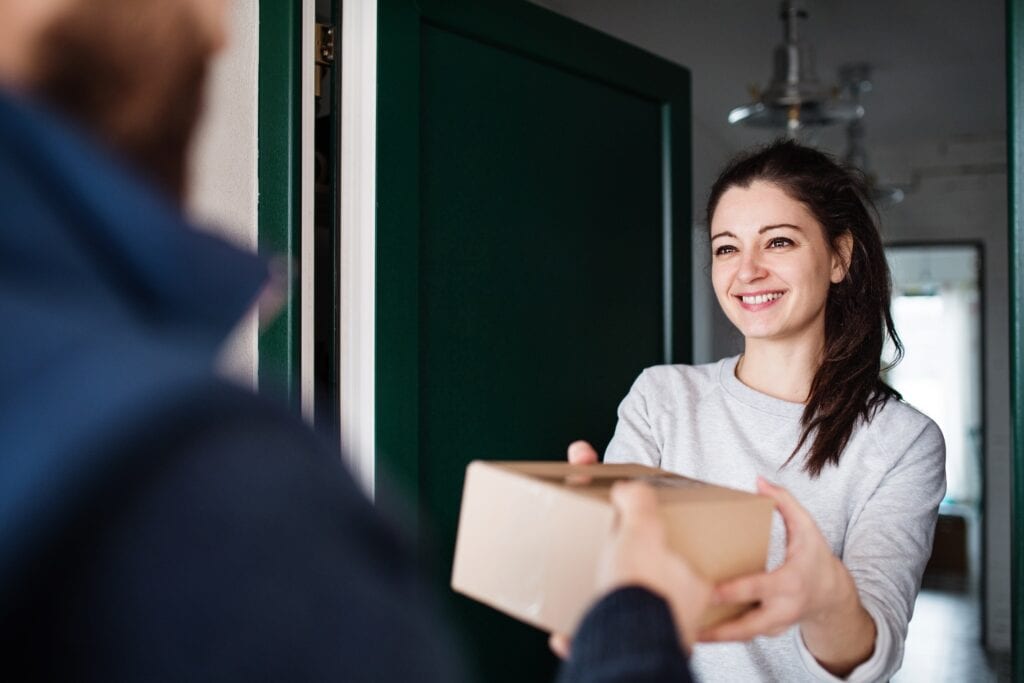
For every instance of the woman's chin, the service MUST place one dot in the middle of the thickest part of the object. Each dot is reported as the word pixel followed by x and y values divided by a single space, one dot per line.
pixel 759 335
pixel 758 329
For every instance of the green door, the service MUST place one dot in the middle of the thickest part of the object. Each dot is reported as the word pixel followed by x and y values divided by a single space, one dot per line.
pixel 1015 129
pixel 533 245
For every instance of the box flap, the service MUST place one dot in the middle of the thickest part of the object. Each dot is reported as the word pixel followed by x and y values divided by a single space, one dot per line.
pixel 597 481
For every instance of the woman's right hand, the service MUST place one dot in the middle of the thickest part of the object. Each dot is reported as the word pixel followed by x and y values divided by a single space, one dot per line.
pixel 582 453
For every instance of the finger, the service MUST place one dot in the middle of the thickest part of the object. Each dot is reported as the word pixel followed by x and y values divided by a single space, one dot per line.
pixel 636 503
pixel 636 513
pixel 793 513
pixel 756 622
pixel 560 644
pixel 582 453
pixel 750 588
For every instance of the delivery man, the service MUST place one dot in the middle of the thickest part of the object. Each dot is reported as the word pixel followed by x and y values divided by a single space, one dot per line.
pixel 160 524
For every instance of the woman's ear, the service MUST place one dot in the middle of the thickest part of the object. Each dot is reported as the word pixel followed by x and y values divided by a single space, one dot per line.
pixel 841 255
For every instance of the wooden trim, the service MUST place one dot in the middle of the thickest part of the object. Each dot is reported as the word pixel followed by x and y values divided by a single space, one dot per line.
pixel 307 227
pixel 520 26
pixel 677 110
pixel 1015 194
pixel 357 245
pixel 279 189
pixel 397 250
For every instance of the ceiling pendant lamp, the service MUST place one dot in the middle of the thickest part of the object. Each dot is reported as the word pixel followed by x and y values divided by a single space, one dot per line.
pixel 856 80
pixel 795 99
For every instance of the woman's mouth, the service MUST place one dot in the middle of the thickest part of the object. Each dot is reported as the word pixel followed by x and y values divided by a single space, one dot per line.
pixel 756 301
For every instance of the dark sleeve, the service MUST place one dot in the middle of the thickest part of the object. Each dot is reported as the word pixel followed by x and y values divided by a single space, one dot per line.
pixel 629 635
pixel 247 554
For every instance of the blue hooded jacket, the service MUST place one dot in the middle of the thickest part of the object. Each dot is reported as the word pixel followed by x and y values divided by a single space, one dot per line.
pixel 130 550
pixel 113 309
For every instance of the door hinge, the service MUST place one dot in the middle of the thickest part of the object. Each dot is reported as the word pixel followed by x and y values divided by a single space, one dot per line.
pixel 324 53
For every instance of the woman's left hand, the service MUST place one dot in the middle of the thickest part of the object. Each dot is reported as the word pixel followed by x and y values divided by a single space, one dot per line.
pixel 811 588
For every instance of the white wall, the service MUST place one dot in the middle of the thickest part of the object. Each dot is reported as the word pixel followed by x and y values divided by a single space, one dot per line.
pixel 223 191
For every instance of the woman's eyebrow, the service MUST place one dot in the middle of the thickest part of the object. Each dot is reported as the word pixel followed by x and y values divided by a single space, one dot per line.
pixel 775 226
pixel 779 225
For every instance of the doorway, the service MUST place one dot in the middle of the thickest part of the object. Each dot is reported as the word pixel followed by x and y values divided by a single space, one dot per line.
pixel 938 312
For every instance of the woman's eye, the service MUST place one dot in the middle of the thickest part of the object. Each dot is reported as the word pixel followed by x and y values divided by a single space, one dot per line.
pixel 724 249
pixel 777 242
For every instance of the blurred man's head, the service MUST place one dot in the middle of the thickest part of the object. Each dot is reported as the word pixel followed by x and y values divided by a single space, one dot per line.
pixel 129 71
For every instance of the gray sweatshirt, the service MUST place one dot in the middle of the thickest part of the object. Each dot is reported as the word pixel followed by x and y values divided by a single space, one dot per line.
pixel 877 509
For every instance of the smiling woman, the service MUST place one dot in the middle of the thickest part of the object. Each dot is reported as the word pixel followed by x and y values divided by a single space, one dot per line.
pixel 794 236
pixel 798 267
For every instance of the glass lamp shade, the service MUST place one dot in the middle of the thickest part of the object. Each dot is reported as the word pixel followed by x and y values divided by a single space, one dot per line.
pixel 795 116
pixel 795 99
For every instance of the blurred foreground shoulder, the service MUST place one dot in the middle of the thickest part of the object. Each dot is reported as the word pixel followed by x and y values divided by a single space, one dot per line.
pixel 245 552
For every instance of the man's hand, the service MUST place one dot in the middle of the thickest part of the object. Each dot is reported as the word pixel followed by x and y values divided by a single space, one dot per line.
pixel 638 555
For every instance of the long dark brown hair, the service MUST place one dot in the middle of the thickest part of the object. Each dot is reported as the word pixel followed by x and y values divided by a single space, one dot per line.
pixel 847 386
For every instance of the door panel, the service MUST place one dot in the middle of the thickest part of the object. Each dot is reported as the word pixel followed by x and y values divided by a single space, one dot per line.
pixel 1015 122
pixel 533 251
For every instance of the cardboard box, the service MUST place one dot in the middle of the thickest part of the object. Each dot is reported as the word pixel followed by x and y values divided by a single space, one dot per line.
pixel 530 535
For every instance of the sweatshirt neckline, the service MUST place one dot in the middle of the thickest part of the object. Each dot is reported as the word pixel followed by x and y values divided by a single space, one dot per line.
pixel 732 386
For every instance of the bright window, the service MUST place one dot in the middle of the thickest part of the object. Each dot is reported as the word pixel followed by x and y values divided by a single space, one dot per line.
pixel 936 308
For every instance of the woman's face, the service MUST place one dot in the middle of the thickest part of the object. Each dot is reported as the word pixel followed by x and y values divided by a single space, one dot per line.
pixel 771 266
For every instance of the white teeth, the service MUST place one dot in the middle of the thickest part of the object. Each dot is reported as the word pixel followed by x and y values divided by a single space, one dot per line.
pixel 761 298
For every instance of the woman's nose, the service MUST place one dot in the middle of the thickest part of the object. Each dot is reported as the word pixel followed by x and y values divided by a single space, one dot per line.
pixel 751 268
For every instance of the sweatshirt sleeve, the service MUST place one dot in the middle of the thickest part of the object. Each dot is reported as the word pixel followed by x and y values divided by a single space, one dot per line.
pixel 634 441
pixel 887 547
